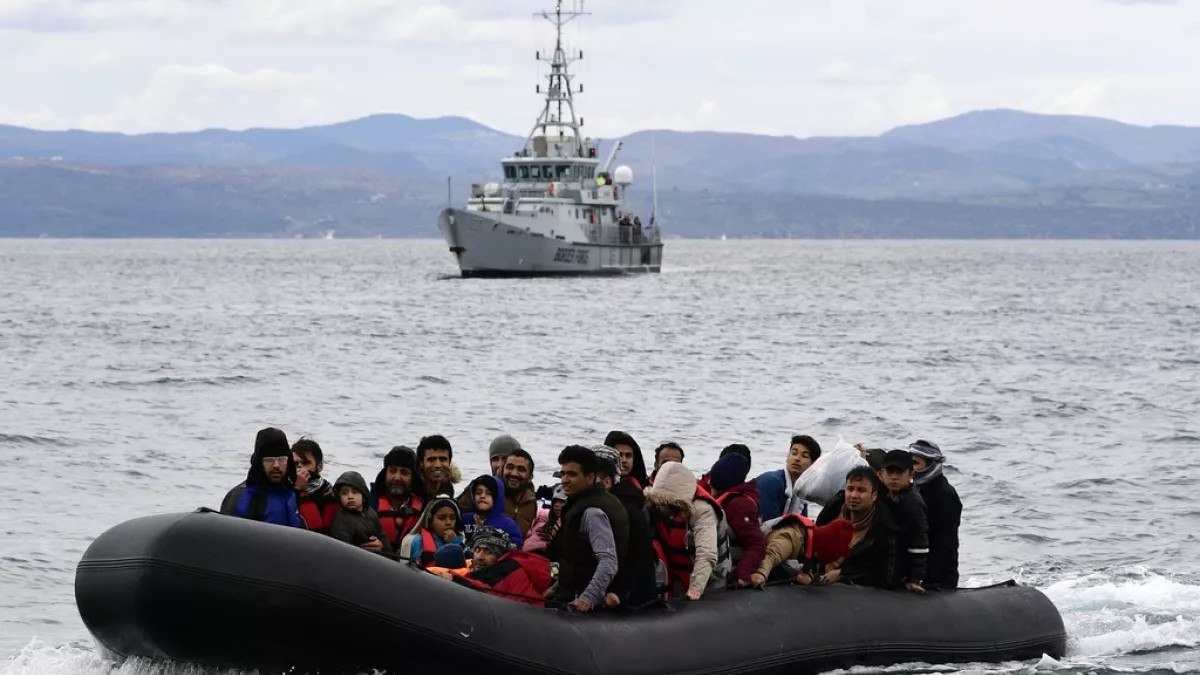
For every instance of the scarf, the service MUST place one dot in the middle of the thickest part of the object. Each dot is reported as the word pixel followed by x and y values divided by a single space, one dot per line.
pixel 860 526
pixel 932 470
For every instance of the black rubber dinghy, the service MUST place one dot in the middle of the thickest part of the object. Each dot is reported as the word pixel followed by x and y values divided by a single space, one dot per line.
pixel 212 589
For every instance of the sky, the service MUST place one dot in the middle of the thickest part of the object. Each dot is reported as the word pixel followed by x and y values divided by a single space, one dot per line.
pixel 783 67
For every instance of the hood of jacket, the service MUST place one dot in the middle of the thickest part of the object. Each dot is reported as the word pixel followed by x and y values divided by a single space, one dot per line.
pixel 674 488
pixel 434 505
pixel 639 464
pixel 493 484
pixel 355 480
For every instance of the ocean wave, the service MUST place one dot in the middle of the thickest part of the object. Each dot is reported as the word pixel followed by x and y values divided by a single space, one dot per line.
pixel 21 439
pixel 219 380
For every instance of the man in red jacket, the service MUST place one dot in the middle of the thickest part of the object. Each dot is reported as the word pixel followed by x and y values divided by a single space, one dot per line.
pixel 739 499
pixel 499 569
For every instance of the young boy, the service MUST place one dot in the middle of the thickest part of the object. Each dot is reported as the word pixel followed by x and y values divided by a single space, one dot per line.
pixel 488 499
pixel 441 525
pixel 356 523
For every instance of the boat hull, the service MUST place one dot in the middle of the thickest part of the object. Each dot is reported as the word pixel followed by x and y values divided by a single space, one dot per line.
pixel 485 244
pixel 217 590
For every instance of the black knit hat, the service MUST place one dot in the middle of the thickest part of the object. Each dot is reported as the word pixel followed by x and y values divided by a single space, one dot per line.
pixel 402 456
pixel 738 448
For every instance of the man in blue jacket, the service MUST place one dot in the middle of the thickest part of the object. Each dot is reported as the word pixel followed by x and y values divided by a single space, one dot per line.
pixel 267 494
pixel 775 487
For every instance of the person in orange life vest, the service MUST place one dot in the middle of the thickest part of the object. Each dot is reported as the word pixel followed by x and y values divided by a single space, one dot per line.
pixel 435 458
pixel 667 452
pixel 739 498
pixel 498 568
pixel 633 467
pixel 488 509
pixel 795 537
pixel 317 503
pixel 678 507
pixel 357 523
pixel 440 526
pixel 267 495
pixel 396 494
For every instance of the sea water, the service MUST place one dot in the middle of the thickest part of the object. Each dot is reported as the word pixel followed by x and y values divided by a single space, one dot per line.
pixel 1061 378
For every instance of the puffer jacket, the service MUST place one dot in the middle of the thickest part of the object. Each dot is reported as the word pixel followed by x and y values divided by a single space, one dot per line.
pixel 674 489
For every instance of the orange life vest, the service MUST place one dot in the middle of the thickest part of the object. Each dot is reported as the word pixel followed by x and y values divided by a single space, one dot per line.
pixel 674 546
pixel 809 526
pixel 316 517
pixel 399 522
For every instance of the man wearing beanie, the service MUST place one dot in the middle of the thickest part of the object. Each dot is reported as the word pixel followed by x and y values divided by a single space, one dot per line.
pixel 945 514
pixel 874 558
pixel 498 568
pixel 267 494
pixel 739 499
pixel 499 449
pixel 395 494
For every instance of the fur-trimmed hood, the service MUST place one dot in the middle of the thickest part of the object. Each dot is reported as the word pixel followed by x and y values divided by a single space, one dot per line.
pixel 674 488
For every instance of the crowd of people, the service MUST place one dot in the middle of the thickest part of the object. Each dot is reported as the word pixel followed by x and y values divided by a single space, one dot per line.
pixel 610 535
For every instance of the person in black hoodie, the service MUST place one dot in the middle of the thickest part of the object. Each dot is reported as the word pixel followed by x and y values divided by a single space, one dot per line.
pixel 910 513
pixel 634 586
pixel 357 523
pixel 945 514
pixel 874 557
pixel 632 465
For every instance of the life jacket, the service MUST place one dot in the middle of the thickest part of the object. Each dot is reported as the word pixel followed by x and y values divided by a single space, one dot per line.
pixel 317 516
pixel 399 522
pixel 456 571
pixel 675 545
pixel 428 549
pixel 808 525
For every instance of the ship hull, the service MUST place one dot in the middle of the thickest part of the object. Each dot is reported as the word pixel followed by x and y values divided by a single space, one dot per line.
pixel 487 245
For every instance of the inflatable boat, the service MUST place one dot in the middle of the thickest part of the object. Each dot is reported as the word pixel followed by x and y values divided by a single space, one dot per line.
pixel 215 590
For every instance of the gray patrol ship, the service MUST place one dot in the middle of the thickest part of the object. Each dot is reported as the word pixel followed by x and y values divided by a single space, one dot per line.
pixel 559 210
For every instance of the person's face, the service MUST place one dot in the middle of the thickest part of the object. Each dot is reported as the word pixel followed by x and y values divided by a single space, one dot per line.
pixel 497 465
pixel 399 480
pixel 482 557
pixel 799 459
pixel 443 523
pixel 557 506
pixel 352 500
pixel 667 455
pixel 435 465
pixel 305 462
pixel 626 458
pixel 860 495
pixel 276 468
pixel 919 463
pixel 483 498
pixel 574 480
pixel 516 473
pixel 896 478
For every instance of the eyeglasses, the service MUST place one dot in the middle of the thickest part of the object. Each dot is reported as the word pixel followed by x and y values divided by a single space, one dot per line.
pixel 271 461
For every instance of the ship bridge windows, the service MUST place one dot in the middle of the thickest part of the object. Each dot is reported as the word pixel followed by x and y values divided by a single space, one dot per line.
pixel 510 172
pixel 547 172
pixel 535 172
pixel 563 172
pixel 524 172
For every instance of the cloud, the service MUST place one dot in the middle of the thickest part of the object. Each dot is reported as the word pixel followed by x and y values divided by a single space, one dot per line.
pixel 52 16
pixel 485 73
pixel 1088 98
pixel 212 95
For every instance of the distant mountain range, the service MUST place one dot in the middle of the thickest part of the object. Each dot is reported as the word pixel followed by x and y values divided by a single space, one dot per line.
pixel 998 173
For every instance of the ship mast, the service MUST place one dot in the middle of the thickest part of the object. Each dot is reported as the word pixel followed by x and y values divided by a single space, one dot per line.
pixel 559 110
